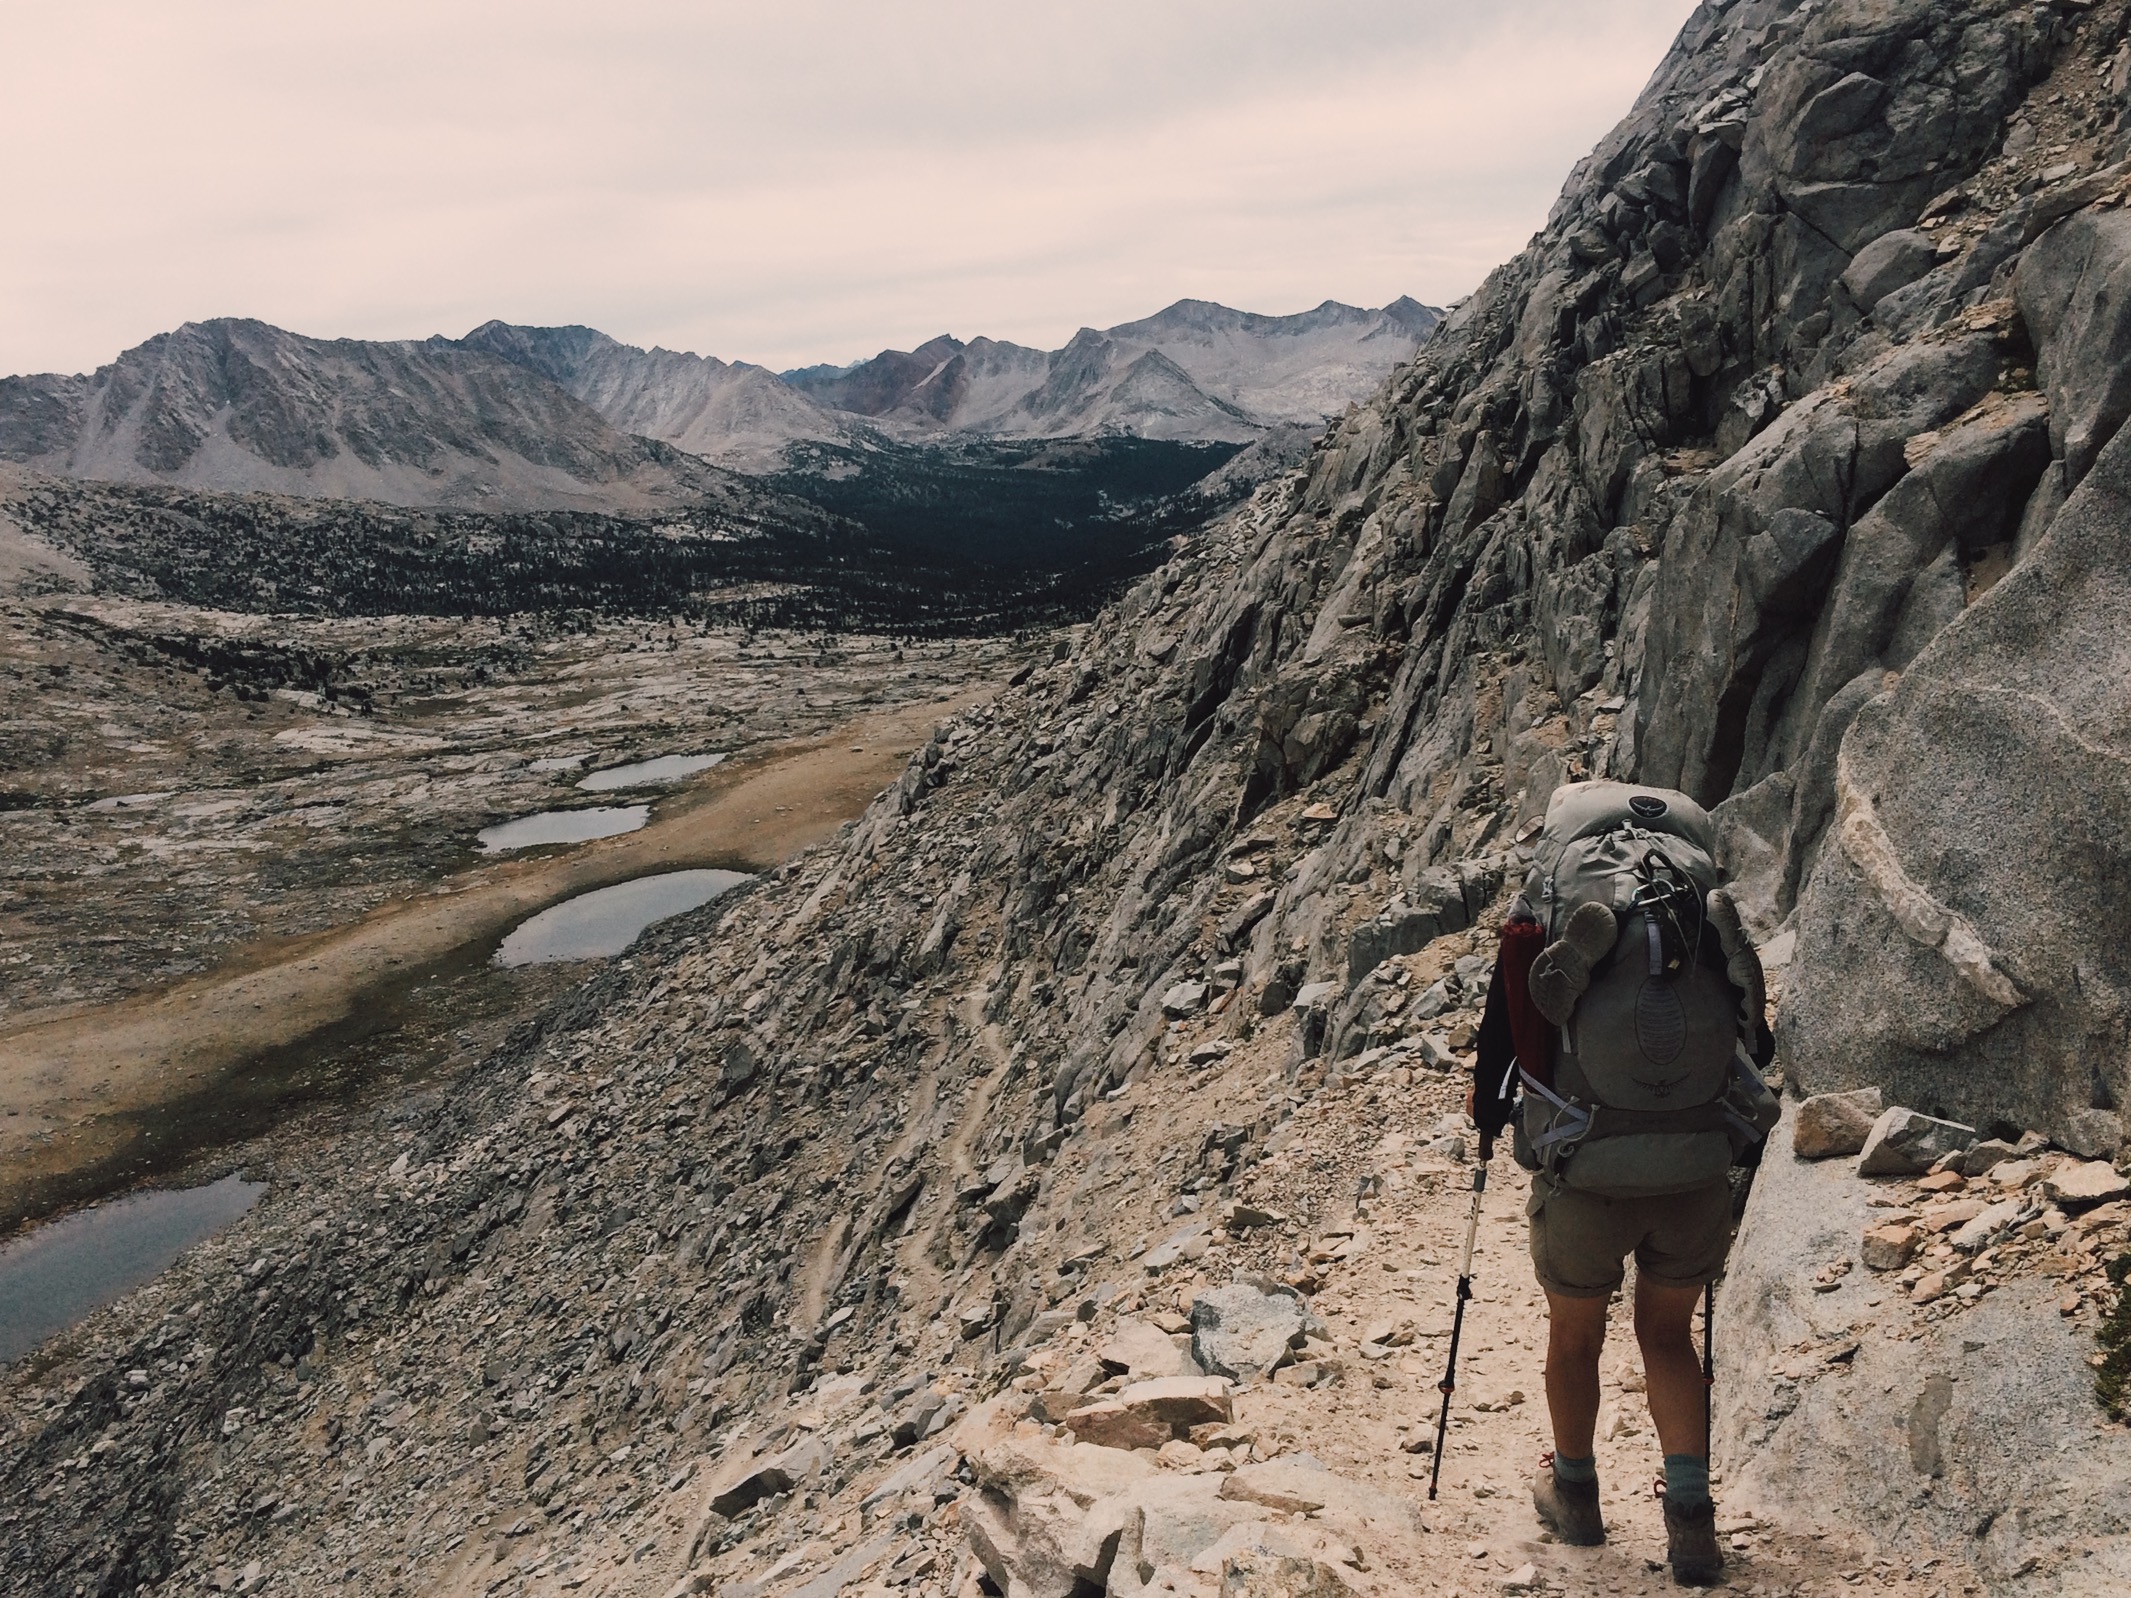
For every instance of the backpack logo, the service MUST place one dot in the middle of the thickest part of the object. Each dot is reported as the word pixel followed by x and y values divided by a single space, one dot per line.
pixel 1660 1027
pixel 1648 806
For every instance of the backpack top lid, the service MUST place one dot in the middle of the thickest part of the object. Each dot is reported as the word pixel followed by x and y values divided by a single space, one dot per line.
pixel 1586 809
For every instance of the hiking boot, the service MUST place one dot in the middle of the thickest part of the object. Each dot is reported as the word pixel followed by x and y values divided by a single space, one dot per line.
pixel 1568 1509
pixel 1691 1544
pixel 1563 969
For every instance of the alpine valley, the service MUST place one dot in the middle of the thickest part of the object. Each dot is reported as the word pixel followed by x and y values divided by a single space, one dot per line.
pixel 1044 1174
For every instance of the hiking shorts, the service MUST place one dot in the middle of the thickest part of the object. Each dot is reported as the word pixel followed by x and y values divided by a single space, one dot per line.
pixel 1580 1240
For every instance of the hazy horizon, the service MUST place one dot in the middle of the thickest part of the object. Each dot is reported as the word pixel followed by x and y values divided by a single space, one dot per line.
pixel 802 188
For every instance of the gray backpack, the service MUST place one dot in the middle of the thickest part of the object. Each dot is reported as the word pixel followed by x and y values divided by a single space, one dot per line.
pixel 1653 1091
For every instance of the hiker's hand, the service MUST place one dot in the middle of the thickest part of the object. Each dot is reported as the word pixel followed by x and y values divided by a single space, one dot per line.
pixel 1472 1104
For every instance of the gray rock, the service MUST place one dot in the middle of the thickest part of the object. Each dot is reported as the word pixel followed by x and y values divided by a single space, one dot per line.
pixel 1316 995
pixel 1981 1230
pixel 1432 1003
pixel 1183 1000
pixel 1188 1244
pixel 1831 1124
pixel 2074 287
pixel 1752 556
pixel 1300 1484
pixel 1887 263
pixel 2093 1134
pixel 915 1418
pixel 1904 1143
pixel 1927 960
pixel 1401 929
pixel 1248 1328
pixel 1931 1437
pixel 1150 1413
pixel 742 1485
pixel 1980 1159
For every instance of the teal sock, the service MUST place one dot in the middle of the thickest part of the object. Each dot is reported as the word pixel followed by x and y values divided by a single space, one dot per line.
pixel 1580 1471
pixel 1687 1480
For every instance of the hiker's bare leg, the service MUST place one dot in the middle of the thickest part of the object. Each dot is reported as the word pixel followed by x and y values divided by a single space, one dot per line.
pixel 1575 1333
pixel 1672 1371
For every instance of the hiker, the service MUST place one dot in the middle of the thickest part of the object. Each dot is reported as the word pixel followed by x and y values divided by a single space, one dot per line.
pixel 1623 1042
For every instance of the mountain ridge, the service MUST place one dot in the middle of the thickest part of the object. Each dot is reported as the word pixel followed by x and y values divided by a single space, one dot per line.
pixel 571 418
pixel 911 1214
pixel 236 404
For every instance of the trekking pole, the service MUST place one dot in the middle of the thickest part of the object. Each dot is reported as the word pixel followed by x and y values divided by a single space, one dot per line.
pixel 1449 1383
pixel 1709 1366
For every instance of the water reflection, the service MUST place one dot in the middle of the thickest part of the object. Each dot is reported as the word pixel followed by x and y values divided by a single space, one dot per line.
pixel 563 826
pixel 606 921
pixel 61 1271
pixel 644 773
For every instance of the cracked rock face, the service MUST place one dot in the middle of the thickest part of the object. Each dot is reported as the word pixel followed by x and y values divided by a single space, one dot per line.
pixel 1665 500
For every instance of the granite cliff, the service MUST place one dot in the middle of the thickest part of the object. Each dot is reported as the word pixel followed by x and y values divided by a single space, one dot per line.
pixel 1048 1187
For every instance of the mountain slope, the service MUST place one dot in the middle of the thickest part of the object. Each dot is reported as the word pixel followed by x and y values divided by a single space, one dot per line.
pixel 234 404
pixel 530 418
pixel 737 415
pixel 1215 375
pixel 796 1254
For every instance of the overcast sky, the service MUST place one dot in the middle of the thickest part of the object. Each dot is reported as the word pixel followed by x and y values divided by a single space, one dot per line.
pixel 783 181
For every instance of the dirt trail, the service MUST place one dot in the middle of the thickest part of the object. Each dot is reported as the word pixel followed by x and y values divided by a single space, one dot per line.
pixel 64 1073
pixel 1383 1276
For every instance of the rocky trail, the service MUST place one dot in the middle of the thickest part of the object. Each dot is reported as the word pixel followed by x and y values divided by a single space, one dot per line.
pixel 1047 1186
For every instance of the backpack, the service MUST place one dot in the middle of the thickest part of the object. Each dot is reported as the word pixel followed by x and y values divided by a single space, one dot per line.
pixel 1651 1089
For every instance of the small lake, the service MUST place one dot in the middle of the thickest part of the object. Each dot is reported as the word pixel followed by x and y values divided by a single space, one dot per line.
pixel 563 826
pixel 606 921
pixel 63 1270
pixel 648 773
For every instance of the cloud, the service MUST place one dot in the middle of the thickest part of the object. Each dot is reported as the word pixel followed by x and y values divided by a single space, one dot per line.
pixel 785 183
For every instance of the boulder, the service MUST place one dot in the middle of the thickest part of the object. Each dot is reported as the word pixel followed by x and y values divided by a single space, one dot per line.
pixel 1183 1000
pixel 1929 962
pixel 1248 1328
pixel 2093 1134
pixel 915 1418
pixel 1832 1124
pixel 1045 1517
pixel 1149 1414
pixel 2074 288
pixel 926 1469
pixel 1887 263
pixel 1980 1159
pixel 1165 1527
pixel 1904 1143
pixel 1316 995
pixel 1258 1559
pixel 1143 1352
pixel 1980 1231
pixel 1245 916
pixel 1055 1520
pixel 1300 1484
pixel 1187 1243
pixel 2083 1184
pixel 1928 1429
pixel 746 1482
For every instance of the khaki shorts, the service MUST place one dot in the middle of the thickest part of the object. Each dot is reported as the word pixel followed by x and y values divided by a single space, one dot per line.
pixel 1579 1239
